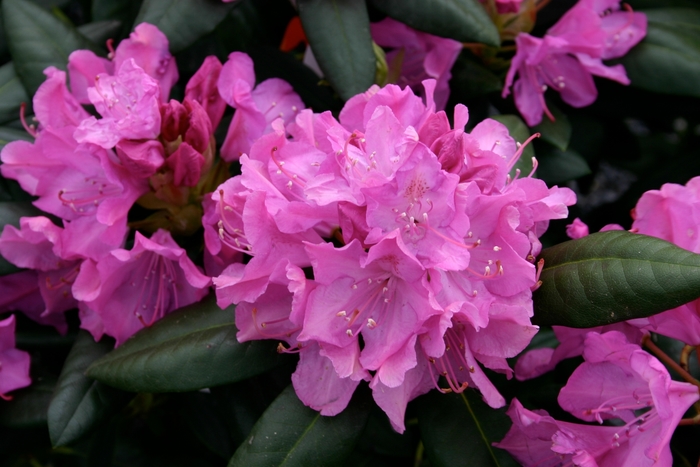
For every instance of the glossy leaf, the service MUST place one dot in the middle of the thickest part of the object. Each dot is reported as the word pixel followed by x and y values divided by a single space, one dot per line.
pixel 28 406
pixel 613 276
pixel 37 39
pixel 461 20
pixel 8 134
pixel 80 403
pixel 193 348
pixel 290 434
pixel 557 132
pixel 668 59
pixel 557 166
pixel 12 93
pixel 455 427
pixel 183 21
pixel 338 32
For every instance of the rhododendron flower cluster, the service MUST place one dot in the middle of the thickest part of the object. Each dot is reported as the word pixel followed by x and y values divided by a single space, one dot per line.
pixel 570 54
pixel 89 172
pixel 617 381
pixel 385 246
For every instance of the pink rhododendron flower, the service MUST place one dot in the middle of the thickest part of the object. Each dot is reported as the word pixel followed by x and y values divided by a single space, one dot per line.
pixel 508 6
pixel 577 229
pixel 131 289
pixel 14 363
pixel 202 87
pixel 147 46
pixel 374 244
pixel 617 380
pixel 417 56
pixel 570 54
pixel 256 106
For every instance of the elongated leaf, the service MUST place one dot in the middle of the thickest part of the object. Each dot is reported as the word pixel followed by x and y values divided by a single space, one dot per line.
pixel 190 349
pixel 12 93
pixel 461 20
pixel 79 403
pixel 290 434
pixel 99 31
pixel 38 39
pixel 455 427
pixel 338 32
pixel 183 21
pixel 668 59
pixel 557 132
pixel 28 406
pixel 613 276
pixel 10 134
pixel 559 166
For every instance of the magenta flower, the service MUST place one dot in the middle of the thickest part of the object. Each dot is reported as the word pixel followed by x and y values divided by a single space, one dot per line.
pixel 147 46
pixel 508 6
pixel 202 87
pixel 14 363
pixel 570 54
pixel 577 229
pixel 256 106
pixel 131 289
pixel 376 243
pixel 417 56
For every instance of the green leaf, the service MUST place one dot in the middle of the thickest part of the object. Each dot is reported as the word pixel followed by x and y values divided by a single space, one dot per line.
pixel 557 132
pixel 455 427
pixel 471 80
pixel 193 348
pixel 557 166
pixel 79 403
pixel 520 132
pixel 37 39
pixel 183 21
pixel 8 134
pixel 28 406
pixel 461 20
pixel 338 32
pixel 290 434
pixel 668 59
pixel 613 276
pixel 12 93
pixel 100 31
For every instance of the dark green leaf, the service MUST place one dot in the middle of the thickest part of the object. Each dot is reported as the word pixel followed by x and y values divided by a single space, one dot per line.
pixel 204 416
pixel 338 32
pixel 613 276
pixel 557 132
pixel 559 166
pixel 100 31
pixel 271 63
pixel 461 20
pixel 10 213
pixel 79 403
pixel 10 134
pixel 28 406
pixel 471 79
pixel 668 59
pixel 520 132
pixel 291 434
pixel 193 348
pixel 12 93
pixel 38 39
pixel 455 427
pixel 183 21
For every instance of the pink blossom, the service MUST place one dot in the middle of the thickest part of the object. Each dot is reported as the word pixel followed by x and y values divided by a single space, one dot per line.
pixel 128 103
pixel 577 229
pixel 508 6
pixel 14 363
pixel 256 106
pixel 147 46
pixel 131 289
pixel 202 87
pixel 20 292
pixel 570 54
pixel 417 56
